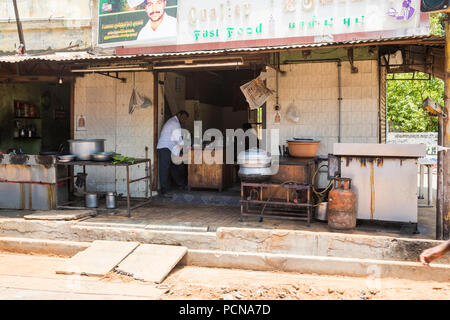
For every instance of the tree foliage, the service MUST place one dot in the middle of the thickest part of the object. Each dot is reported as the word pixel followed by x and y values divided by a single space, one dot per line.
pixel 404 102
pixel 404 98
pixel 437 24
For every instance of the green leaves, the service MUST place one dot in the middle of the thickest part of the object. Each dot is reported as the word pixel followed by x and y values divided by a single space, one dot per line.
pixel 119 159
pixel 437 23
pixel 404 103
pixel 404 98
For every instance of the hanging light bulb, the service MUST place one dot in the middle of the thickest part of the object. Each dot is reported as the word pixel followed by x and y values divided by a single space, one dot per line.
pixel 60 80
pixel 277 117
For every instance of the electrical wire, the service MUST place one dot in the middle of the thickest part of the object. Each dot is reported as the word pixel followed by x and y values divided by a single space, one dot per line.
pixel 320 194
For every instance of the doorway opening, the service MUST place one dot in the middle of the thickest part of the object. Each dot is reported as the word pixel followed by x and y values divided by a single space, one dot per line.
pixel 408 123
pixel 213 99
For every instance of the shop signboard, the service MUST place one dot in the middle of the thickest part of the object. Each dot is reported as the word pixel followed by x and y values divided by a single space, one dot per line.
pixel 199 24
pixel 148 22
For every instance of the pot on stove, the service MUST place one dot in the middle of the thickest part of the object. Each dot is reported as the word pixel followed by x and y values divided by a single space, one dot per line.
pixel 255 165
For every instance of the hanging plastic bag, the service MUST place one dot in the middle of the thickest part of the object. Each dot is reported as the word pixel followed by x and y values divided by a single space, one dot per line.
pixel 292 113
pixel 137 100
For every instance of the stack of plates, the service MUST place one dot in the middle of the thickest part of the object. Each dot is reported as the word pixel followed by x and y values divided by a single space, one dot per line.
pixel 66 158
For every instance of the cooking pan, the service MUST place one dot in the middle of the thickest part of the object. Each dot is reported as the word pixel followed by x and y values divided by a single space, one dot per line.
pixel 102 156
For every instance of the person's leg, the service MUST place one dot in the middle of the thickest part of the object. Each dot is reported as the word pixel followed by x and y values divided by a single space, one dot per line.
pixel 164 163
pixel 178 174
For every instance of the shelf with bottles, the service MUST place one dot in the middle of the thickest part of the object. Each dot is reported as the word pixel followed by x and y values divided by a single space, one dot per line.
pixel 31 118
pixel 23 130
pixel 21 138
pixel 26 110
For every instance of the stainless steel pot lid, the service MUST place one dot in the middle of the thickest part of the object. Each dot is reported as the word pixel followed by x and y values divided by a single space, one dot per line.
pixel 253 154
pixel 252 171
pixel 86 140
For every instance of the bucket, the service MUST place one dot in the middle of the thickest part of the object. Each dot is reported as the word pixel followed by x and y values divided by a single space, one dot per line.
pixel 91 200
pixel 110 200
pixel 321 211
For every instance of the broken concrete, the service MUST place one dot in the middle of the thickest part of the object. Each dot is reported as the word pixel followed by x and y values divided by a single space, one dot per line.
pixel 176 228
pixel 229 239
pixel 99 259
pixel 138 264
pixel 370 269
pixel 60 215
pixel 323 244
pixel 42 247
pixel 151 263
pixel 75 287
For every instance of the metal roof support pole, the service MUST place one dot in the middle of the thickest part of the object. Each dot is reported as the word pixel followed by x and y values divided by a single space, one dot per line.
pixel 339 67
pixel 446 137
pixel 19 28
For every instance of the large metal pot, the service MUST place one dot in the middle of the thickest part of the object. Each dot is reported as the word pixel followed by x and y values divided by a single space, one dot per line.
pixel 85 148
pixel 255 165
pixel 254 158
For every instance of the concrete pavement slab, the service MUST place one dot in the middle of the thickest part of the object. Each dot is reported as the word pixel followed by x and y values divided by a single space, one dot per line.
pixel 151 262
pixel 76 285
pixel 99 259
pixel 27 294
pixel 42 246
pixel 58 215
pixel 185 228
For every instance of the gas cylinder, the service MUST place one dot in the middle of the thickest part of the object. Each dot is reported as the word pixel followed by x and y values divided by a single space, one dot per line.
pixel 342 205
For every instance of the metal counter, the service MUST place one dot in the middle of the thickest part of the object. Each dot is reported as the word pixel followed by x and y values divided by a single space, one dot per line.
pixel 30 182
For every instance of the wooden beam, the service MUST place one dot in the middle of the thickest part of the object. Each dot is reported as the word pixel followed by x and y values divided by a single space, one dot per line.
pixel 445 211
pixel 155 129
pixel 28 79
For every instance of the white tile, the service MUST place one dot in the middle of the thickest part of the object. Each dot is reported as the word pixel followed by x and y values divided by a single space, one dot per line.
pixel 346 105
pixel 357 105
pixel 356 93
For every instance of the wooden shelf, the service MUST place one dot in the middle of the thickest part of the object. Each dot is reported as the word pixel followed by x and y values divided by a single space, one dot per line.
pixel 19 138
pixel 27 117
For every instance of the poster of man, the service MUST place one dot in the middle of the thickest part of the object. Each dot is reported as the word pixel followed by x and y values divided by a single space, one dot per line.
pixel 129 22
pixel 160 24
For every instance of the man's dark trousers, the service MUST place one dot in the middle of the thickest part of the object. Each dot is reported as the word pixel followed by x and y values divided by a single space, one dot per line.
pixel 167 168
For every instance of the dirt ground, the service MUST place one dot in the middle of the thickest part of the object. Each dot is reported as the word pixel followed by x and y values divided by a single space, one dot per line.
pixel 198 283
pixel 225 284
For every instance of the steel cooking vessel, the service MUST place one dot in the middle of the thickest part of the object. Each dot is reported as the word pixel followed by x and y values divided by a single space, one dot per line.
pixel 254 158
pixel 85 148
pixel 91 200
pixel 255 165
pixel 110 200
pixel 102 156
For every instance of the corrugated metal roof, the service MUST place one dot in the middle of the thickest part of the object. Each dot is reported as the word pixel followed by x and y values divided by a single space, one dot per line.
pixel 346 43
pixel 59 57
pixel 83 56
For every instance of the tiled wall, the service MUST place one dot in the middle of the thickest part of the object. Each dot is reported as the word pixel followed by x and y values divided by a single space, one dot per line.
pixel 105 102
pixel 313 90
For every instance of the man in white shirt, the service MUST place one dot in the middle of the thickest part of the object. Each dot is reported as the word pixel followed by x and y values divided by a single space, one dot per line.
pixel 170 143
pixel 160 26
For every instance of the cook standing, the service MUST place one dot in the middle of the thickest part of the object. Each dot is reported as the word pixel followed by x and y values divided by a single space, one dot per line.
pixel 170 143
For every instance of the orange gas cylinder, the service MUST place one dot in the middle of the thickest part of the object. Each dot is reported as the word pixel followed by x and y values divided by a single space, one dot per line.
pixel 342 205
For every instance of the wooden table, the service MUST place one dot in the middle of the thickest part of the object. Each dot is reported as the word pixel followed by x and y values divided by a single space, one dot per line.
pixel 129 182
